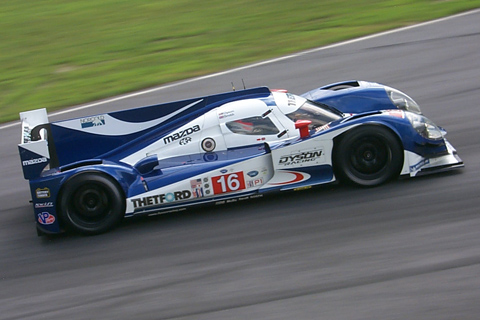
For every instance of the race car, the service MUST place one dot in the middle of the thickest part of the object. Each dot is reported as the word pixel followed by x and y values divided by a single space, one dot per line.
pixel 89 173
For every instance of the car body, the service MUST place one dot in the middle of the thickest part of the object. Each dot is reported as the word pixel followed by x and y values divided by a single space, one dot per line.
pixel 87 174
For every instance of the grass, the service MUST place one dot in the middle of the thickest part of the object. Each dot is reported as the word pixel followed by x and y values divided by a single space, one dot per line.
pixel 57 53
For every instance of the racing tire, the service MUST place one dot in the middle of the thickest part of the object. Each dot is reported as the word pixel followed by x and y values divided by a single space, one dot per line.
pixel 368 156
pixel 91 203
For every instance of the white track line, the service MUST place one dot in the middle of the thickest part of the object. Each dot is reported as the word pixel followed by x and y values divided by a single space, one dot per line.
pixel 298 54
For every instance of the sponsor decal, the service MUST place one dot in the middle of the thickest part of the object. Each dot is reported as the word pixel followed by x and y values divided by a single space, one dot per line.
pixel 228 183
pixel 253 173
pixel 197 188
pixel 27 137
pixel 34 161
pixel 181 134
pixel 300 158
pixel 42 193
pixel 395 113
pixel 261 139
pixel 161 198
pixel 185 141
pixel 322 128
pixel 45 218
pixel 419 165
pixel 291 99
pixel 41 205
pixel 255 182
pixel 239 199
pixel 226 114
pixel 167 211
pixel 94 121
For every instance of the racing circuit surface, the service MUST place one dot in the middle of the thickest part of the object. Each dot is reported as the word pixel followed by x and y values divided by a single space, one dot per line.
pixel 406 250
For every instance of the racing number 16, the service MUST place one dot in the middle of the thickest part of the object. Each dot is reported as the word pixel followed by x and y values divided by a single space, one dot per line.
pixel 228 183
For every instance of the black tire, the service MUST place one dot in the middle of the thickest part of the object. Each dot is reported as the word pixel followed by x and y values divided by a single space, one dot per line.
pixel 368 156
pixel 91 203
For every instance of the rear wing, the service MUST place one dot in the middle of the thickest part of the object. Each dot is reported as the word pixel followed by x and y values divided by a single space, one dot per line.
pixel 33 148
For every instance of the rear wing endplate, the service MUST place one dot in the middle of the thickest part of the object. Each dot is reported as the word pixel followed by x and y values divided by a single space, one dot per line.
pixel 33 149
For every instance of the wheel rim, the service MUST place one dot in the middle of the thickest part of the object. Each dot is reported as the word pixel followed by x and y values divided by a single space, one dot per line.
pixel 90 203
pixel 369 156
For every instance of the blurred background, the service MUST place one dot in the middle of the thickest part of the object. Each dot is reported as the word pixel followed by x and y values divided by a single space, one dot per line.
pixel 56 53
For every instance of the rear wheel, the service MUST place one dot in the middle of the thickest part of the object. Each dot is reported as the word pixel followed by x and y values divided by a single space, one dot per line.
pixel 91 203
pixel 368 156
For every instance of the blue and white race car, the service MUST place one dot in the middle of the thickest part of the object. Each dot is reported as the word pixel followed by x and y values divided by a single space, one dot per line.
pixel 87 174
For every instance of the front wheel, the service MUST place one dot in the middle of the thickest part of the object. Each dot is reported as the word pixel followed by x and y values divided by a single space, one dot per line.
pixel 368 156
pixel 91 203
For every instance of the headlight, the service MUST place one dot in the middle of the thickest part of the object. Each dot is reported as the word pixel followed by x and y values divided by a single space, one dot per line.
pixel 425 127
pixel 402 101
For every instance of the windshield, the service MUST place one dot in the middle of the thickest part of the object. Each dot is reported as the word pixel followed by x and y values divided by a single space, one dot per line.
pixel 318 114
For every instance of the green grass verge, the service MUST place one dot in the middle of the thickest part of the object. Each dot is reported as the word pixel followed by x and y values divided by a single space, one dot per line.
pixel 57 53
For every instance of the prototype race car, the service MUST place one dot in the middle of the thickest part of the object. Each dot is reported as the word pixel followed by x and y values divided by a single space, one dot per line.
pixel 87 174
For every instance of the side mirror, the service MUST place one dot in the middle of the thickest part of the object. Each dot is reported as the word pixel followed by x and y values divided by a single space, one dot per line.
pixel 147 164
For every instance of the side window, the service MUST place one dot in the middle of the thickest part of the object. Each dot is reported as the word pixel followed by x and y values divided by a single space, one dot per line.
pixel 253 126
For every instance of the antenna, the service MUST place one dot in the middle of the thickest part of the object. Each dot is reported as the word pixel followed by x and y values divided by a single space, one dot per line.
pixel 233 87
pixel 243 84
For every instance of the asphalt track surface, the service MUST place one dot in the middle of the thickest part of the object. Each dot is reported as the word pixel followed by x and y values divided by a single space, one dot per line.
pixel 407 250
